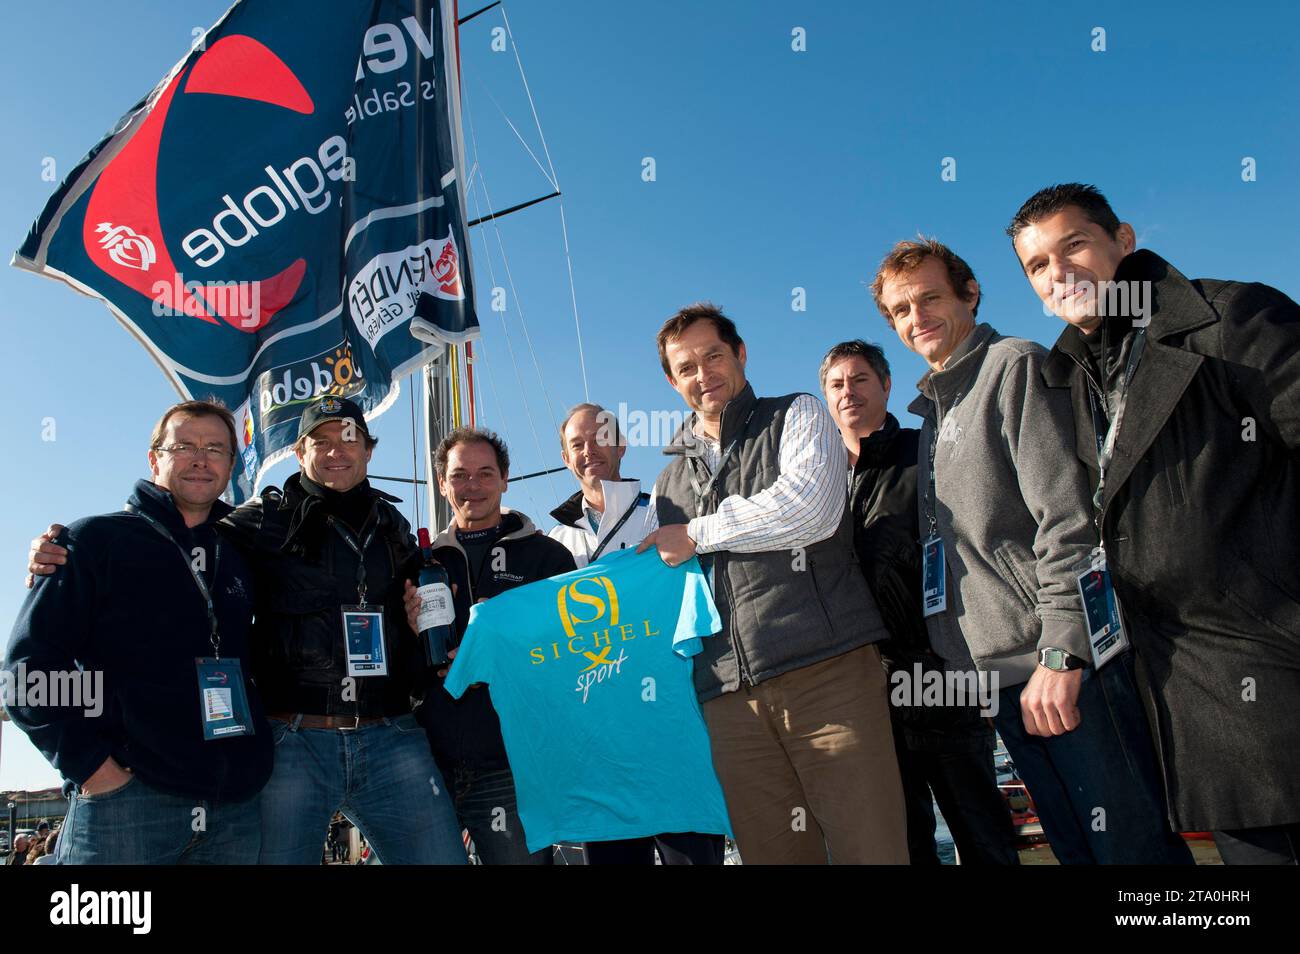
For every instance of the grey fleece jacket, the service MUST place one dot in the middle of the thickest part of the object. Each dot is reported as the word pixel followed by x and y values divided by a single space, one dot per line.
pixel 1013 506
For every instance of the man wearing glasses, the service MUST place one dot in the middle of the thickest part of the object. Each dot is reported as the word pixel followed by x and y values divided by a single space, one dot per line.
pixel 129 668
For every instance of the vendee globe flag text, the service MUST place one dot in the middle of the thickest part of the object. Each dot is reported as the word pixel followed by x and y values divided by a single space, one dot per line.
pixel 277 217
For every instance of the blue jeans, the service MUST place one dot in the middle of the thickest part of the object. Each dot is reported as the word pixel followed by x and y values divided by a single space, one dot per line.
pixel 1107 763
pixel 139 825
pixel 381 776
pixel 486 806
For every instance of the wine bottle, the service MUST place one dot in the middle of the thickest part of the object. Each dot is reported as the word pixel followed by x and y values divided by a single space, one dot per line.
pixel 437 611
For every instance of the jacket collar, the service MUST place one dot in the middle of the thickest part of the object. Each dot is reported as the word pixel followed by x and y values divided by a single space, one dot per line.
pixel 1175 305
pixel 961 368
pixel 295 491
pixel 159 503
pixel 1072 350
pixel 619 496
pixel 308 511
pixel 874 445
pixel 1166 370
pixel 569 512
pixel 1069 352
pixel 515 525
pixel 734 415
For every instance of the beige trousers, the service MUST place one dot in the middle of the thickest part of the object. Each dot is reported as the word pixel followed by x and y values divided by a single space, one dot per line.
pixel 807 764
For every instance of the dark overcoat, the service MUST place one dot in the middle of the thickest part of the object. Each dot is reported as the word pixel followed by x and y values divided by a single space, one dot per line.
pixel 1201 525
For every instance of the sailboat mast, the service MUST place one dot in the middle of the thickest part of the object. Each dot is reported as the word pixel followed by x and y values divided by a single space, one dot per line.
pixel 437 422
pixel 437 381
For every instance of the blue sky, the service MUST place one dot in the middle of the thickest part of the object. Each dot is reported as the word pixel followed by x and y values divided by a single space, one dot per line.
pixel 775 169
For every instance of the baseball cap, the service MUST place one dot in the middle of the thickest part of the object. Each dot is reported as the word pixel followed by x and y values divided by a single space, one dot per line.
pixel 326 408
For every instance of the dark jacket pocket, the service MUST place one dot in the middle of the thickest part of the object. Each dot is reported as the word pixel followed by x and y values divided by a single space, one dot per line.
pixel 1166 456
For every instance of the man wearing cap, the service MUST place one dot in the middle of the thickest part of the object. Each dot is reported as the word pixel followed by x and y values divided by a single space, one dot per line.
pixel 339 669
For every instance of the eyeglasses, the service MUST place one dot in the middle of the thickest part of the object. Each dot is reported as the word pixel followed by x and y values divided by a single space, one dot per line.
pixel 190 451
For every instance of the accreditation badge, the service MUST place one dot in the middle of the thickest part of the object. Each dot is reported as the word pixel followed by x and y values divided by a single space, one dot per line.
pixel 934 577
pixel 222 700
pixel 1106 635
pixel 363 637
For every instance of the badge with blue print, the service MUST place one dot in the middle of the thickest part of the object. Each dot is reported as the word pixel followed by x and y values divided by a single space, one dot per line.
pixel 1105 625
pixel 934 577
pixel 363 636
pixel 222 700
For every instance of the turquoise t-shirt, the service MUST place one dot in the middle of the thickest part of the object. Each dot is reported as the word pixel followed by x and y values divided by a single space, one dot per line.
pixel 591 678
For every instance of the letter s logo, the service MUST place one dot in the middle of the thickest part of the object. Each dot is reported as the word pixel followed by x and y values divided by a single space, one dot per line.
pixel 572 592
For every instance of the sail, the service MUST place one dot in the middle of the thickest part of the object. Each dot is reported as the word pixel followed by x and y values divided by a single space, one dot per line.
pixel 283 214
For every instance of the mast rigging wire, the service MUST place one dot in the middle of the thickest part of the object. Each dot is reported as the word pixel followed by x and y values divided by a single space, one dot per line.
pixel 573 293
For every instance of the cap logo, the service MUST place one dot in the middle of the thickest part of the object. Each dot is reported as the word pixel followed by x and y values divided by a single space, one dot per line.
pixel 330 405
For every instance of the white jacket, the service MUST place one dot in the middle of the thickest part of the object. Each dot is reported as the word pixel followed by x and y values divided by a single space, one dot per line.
pixel 621 496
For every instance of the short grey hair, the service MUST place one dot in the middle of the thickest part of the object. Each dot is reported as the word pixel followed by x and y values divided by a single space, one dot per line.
pixel 602 414
pixel 873 354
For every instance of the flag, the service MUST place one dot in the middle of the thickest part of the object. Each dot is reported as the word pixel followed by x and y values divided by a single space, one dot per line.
pixel 281 213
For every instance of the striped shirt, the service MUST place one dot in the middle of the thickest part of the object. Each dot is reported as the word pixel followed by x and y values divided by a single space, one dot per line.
pixel 802 507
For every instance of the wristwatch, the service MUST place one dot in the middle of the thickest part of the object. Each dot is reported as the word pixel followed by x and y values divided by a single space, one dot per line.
pixel 1058 660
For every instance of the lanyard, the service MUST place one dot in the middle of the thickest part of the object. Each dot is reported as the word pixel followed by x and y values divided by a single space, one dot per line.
pixel 702 492
pixel 359 549
pixel 1106 445
pixel 932 494
pixel 201 583
pixel 617 527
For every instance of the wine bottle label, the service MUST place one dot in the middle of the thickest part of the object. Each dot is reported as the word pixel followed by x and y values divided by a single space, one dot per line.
pixel 436 608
